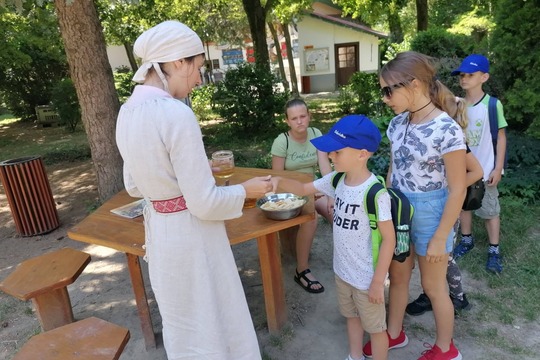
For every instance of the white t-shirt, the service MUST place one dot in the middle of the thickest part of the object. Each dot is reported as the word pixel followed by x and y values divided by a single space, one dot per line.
pixel 417 152
pixel 353 260
pixel 479 134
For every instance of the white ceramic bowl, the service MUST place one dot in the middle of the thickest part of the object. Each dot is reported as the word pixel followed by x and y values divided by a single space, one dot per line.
pixel 281 214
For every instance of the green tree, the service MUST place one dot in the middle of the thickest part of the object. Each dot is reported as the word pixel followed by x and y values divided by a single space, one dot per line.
pixel 91 73
pixel 516 60
pixel 256 13
pixel 287 12
pixel 93 79
pixel 124 20
pixel 372 12
pixel 32 59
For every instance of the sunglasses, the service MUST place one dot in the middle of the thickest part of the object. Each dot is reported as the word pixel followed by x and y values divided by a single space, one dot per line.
pixel 387 90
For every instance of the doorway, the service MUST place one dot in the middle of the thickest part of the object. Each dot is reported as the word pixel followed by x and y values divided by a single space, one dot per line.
pixel 346 62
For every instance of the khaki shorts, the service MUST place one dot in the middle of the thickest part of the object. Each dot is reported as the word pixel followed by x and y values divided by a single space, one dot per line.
pixel 490 204
pixel 355 303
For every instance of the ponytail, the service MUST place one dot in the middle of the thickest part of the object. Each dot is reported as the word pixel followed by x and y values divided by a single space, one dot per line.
pixel 461 114
pixel 445 100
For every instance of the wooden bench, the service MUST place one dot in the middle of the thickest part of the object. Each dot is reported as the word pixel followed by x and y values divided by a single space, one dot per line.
pixel 44 279
pixel 88 339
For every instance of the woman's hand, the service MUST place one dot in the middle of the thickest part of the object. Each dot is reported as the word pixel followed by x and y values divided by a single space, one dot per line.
pixel 258 186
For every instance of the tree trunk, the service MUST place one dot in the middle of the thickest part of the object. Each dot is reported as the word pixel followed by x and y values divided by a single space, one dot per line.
pixel 93 79
pixel 292 69
pixel 279 57
pixel 131 57
pixel 421 15
pixel 256 15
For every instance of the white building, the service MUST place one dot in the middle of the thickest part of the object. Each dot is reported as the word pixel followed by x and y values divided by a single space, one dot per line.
pixel 333 48
pixel 327 50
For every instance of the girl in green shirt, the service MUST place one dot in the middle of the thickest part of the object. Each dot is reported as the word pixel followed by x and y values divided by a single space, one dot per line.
pixel 293 151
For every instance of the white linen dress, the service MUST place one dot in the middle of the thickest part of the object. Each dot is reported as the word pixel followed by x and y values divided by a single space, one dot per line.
pixel 192 270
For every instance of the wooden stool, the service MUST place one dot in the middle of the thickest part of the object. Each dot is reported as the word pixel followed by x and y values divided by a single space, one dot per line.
pixel 44 279
pixel 88 339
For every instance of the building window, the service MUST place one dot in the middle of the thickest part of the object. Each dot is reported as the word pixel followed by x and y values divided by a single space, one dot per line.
pixel 215 64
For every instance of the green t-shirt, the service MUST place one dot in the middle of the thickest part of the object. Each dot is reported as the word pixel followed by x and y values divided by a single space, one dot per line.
pixel 298 156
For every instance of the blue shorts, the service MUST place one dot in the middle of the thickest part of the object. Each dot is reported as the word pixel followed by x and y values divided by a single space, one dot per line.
pixel 428 210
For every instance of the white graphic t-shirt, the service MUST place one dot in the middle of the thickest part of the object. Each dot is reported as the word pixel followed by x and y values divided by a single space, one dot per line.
pixel 479 134
pixel 353 260
pixel 417 152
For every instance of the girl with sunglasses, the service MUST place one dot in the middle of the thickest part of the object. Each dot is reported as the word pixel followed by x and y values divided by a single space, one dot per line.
pixel 428 165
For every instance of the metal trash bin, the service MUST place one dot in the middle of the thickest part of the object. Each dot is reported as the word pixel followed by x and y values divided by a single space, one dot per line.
pixel 29 195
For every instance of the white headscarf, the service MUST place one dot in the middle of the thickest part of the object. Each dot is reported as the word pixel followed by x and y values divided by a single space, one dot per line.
pixel 168 41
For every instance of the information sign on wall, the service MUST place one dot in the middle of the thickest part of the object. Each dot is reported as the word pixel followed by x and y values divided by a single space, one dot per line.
pixel 316 59
pixel 232 56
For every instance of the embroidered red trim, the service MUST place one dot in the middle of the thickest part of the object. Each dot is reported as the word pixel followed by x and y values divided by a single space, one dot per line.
pixel 170 206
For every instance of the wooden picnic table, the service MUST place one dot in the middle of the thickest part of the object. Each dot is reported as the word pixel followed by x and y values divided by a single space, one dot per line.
pixel 127 235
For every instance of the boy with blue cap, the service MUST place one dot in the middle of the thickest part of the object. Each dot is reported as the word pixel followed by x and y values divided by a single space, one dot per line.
pixel 473 73
pixel 359 282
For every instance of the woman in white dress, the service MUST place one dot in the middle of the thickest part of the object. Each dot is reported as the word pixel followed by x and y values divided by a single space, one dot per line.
pixel 192 270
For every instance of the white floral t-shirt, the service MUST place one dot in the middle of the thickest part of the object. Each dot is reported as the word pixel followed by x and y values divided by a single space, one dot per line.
pixel 353 259
pixel 417 152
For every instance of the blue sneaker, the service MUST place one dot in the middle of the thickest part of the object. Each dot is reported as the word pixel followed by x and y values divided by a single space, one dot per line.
pixel 494 264
pixel 462 248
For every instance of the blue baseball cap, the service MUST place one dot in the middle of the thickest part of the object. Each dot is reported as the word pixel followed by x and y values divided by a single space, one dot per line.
pixel 354 131
pixel 472 64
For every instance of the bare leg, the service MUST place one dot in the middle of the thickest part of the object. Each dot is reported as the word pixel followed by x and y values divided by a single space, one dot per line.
pixel 355 332
pixel 465 219
pixel 379 345
pixel 304 240
pixel 493 227
pixel 400 276
pixel 434 284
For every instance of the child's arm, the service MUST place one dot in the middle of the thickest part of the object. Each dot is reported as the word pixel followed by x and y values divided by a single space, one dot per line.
pixel 496 174
pixel 454 163
pixel 386 252
pixel 389 173
pixel 293 186
pixel 474 169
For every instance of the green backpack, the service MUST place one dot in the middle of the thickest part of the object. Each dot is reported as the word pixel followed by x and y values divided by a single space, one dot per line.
pixel 402 213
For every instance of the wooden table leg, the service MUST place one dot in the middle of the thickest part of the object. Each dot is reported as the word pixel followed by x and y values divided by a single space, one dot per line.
pixel 143 309
pixel 272 278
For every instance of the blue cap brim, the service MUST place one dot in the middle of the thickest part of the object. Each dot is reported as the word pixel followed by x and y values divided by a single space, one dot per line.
pixel 327 143
pixel 465 69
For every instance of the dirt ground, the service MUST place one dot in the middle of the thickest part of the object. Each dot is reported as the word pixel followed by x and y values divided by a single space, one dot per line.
pixel 315 330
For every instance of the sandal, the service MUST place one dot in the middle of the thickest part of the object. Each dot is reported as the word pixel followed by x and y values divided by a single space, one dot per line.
pixel 309 283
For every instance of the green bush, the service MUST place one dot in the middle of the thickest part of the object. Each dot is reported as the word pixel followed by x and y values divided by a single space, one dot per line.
pixel 362 96
pixel 516 61
pixel 450 49
pixel 123 83
pixel 64 100
pixel 249 99
pixel 379 163
pixel 201 101
pixel 522 177
pixel 32 59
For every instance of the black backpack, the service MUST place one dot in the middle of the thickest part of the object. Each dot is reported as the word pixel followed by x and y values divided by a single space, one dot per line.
pixel 402 213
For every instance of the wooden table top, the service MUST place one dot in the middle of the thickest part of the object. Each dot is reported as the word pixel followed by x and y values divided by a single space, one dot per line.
pixel 127 235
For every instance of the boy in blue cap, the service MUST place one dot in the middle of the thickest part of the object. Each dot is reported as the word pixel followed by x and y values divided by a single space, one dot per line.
pixel 359 282
pixel 473 73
